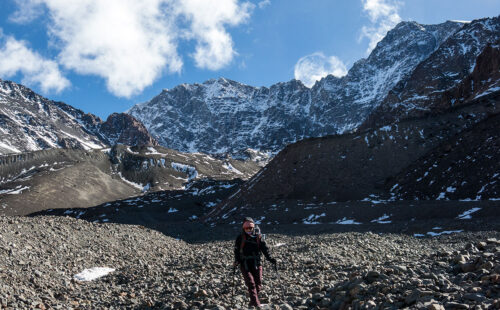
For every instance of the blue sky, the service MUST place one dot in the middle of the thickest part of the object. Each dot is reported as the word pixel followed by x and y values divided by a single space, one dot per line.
pixel 105 56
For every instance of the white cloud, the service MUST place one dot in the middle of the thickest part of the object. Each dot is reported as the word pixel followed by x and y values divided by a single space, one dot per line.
pixel 27 12
pixel 383 15
pixel 312 68
pixel 132 43
pixel 16 57
pixel 214 48
pixel 264 3
pixel 129 43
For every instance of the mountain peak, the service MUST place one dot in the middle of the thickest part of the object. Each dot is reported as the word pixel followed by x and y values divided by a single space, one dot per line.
pixel 30 122
pixel 125 129
pixel 221 115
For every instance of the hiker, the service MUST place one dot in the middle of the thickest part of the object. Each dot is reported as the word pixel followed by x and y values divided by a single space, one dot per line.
pixel 249 244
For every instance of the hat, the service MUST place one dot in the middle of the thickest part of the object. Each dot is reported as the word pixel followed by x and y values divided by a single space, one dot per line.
pixel 248 219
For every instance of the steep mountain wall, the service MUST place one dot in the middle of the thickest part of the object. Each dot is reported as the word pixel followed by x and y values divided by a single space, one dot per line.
pixel 387 163
pixel 221 116
pixel 30 122
pixel 428 88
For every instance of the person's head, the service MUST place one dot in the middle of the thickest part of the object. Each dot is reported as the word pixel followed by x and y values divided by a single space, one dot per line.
pixel 248 225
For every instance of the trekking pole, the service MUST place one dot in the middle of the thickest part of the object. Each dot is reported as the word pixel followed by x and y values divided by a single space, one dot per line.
pixel 279 281
pixel 232 290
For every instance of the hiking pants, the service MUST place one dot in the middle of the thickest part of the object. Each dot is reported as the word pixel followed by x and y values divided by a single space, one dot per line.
pixel 253 280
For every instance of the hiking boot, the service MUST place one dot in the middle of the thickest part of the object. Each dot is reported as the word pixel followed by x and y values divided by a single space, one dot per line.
pixel 253 306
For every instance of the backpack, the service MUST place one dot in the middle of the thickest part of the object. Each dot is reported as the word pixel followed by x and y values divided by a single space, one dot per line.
pixel 242 245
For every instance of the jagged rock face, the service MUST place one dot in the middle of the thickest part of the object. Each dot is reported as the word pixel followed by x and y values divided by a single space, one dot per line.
pixel 125 129
pixel 368 165
pixel 226 116
pixel 484 79
pixel 30 122
pixel 426 89
pixel 353 97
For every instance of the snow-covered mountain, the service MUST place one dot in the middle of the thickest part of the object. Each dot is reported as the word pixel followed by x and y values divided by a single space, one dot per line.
pixel 226 116
pixel 30 122
pixel 425 91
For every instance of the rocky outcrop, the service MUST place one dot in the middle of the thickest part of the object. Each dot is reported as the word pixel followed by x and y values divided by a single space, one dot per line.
pixel 122 128
pixel 30 122
pixel 483 80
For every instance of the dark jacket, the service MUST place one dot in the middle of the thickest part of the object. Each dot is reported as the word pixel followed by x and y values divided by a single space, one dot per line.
pixel 250 255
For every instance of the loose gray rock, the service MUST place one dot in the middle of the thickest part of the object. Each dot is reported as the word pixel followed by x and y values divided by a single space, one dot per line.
pixel 39 257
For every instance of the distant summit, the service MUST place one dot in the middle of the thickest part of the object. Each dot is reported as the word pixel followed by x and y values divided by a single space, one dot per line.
pixel 224 116
pixel 30 122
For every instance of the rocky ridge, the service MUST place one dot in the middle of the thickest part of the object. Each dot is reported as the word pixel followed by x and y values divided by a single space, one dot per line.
pixel 40 257
pixel 368 166
pixel 122 128
pixel 226 116
pixel 468 56
pixel 30 122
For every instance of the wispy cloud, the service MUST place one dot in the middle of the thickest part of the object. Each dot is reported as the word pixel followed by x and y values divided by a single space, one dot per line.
pixel 27 12
pixel 132 43
pixel 312 68
pixel 16 57
pixel 383 15
pixel 264 3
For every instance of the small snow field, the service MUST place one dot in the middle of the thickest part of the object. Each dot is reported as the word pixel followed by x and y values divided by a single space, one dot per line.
pixel 467 214
pixel 93 273
pixel 15 191
pixel 382 220
pixel 312 219
pixel 189 170
pixel 136 185
pixel 445 232
pixel 346 221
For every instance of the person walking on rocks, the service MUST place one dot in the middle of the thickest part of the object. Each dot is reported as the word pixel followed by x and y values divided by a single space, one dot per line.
pixel 247 254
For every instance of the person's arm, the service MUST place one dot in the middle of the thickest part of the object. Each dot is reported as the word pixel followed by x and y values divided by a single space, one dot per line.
pixel 265 250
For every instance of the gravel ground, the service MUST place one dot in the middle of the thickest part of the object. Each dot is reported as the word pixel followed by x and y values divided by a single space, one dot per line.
pixel 39 257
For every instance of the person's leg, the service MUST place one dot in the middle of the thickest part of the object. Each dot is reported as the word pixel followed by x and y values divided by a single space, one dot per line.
pixel 250 283
pixel 257 276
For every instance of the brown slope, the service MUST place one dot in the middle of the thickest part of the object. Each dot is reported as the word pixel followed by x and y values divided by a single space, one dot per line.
pixel 355 166
pixel 467 167
pixel 59 178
